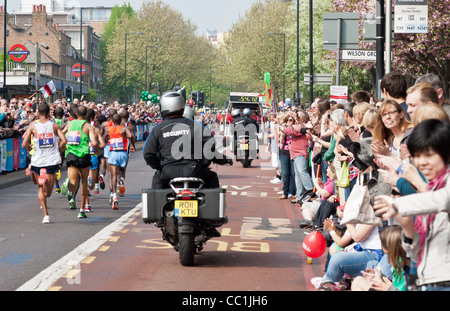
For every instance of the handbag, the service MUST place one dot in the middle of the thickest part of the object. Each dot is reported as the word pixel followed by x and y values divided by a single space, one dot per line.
pixel 344 179
pixel 358 209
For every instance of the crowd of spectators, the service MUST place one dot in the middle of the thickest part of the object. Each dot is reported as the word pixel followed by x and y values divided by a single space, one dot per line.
pixel 395 147
pixel 17 114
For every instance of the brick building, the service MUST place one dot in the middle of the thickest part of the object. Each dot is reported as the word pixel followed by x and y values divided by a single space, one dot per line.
pixel 58 37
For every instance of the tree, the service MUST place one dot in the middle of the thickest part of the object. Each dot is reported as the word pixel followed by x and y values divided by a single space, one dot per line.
pixel 418 54
pixel 110 84
pixel 248 51
pixel 414 54
pixel 176 55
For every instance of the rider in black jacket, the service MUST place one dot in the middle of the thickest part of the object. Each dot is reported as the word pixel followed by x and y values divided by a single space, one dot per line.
pixel 180 147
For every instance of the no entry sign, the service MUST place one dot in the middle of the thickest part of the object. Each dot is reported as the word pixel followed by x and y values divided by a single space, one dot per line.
pixel 18 52
pixel 76 70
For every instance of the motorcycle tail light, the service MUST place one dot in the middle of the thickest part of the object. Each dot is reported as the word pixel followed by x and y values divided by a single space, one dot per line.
pixel 186 195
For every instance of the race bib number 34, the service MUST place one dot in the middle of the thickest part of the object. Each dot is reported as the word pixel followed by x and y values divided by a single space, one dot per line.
pixel 73 138
pixel 46 140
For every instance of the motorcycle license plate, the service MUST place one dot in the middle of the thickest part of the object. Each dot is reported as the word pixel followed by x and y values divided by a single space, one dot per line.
pixel 244 146
pixel 186 208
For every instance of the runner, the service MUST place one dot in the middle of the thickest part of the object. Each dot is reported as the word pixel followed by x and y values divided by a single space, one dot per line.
pixel 58 118
pixel 78 159
pixel 118 136
pixel 48 140
pixel 93 171
pixel 104 129
pixel 131 148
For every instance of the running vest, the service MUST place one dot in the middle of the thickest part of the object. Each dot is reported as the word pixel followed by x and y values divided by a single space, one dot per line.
pixel 116 141
pixel 45 145
pixel 58 121
pixel 77 140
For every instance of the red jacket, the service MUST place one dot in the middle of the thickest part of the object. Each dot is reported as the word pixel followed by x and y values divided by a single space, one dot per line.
pixel 299 142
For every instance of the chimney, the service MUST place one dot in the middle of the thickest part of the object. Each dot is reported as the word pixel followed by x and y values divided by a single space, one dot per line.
pixel 39 16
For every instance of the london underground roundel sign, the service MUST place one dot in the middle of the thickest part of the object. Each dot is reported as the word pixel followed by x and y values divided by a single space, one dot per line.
pixel 18 52
pixel 76 70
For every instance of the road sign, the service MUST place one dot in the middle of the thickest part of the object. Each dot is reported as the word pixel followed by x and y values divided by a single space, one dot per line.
pixel 339 93
pixel 359 55
pixel 319 78
pixel 18 52
pixel 411 16
pixel 347 38
pixel 76 70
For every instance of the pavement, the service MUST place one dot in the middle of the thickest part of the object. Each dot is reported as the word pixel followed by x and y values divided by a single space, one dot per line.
pixel 18 177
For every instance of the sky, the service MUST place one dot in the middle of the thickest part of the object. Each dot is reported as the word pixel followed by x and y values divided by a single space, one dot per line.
pixel 206 14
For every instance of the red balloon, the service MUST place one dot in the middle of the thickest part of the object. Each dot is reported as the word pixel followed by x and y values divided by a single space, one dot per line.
pixel 314 245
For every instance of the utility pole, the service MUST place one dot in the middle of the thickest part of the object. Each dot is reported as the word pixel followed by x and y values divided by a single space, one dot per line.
pixel 380 40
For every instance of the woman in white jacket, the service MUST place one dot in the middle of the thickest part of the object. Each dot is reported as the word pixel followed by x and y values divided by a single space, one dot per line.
pixel 424 217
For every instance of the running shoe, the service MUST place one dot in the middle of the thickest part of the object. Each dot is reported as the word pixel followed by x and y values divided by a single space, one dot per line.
pixel 115 203
pixel 101 181
pixel 42 176
pixel 71 201
pixel 46 219
pixel 96 190
pixel 65 186
pixel 82 214
pixel 110 198
pixel 121 186
pixel 57 190
pixel 87 209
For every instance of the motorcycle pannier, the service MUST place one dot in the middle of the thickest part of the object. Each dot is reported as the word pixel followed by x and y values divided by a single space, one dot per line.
pixel 212 204
pixel 152 202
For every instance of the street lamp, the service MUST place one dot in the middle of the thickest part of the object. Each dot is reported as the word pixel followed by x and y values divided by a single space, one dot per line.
pixel 146 77
pixel 126 34
pixel 311 64
pixel 284 60
pixel 298 43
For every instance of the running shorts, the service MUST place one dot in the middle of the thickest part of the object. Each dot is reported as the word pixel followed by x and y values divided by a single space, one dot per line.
pixel 51 169
pixel 106 151
pixel 94 162
pixel 118 158
pixel 73 160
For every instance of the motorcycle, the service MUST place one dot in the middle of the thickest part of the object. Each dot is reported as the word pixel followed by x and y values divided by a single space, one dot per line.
pixel 245 150
pixel 187 214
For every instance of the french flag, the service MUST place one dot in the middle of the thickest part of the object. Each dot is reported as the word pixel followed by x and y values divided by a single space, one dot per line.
pixel 48 89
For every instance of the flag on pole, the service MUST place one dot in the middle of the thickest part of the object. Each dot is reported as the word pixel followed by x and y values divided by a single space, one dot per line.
pixel 48 89
pixel 267 90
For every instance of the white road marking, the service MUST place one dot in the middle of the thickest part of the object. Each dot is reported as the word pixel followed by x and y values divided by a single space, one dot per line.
pixel 46 278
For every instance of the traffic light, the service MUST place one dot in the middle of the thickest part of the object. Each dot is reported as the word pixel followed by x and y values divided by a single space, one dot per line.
pixel 201 99
pixel 145 96
pixel 68 92
pixel 194 96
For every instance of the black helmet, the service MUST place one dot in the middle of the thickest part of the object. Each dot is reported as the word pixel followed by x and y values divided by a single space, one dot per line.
pixel 171 104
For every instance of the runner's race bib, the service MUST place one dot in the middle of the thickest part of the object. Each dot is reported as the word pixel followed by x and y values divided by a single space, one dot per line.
pixel 73 137
pixel 116 144
pixel 45 140
pixel 91 148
